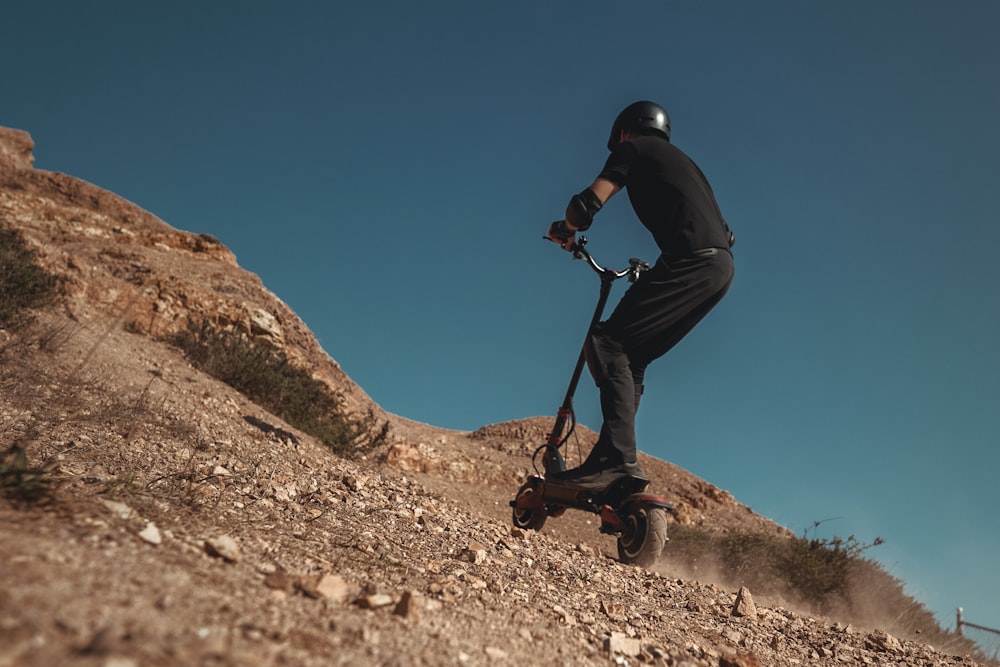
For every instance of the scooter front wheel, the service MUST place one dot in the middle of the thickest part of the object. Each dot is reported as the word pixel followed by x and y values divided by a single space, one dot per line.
pixel 529 511
pixel 644 534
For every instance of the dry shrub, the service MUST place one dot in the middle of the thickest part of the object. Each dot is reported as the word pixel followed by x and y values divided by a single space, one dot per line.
pixel 23 284
pixel 832 577
pixel 265 376
pixel 21 482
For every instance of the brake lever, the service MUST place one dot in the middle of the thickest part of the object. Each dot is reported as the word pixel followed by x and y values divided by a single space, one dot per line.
pixel 636 266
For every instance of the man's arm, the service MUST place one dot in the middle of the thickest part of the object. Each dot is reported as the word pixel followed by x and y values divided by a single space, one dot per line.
pixel 581 210
pixel 605 189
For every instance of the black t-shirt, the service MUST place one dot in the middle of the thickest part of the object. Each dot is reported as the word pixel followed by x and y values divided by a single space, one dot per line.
pixel 670 195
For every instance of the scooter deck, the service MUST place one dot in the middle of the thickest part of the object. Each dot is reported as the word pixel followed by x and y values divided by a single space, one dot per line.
pixel 566 493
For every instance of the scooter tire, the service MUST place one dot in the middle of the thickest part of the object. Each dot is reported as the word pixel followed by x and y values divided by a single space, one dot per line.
pixel 645 534
pixel 527 518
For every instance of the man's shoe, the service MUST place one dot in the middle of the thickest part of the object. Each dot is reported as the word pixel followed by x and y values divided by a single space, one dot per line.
pixel 599 480
pixel 582 470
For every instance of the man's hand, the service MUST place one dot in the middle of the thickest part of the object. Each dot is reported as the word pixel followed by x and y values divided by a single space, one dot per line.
pixel 559 232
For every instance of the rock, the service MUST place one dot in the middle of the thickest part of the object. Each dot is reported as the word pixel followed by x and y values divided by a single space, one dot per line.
pixel 621 644
pixel 882 641
pixel 308 585
pixel 102 642
pixel 151 534
pixel 279 581
pixel 739 660
pixel 16 148
pixel 564 615
pixel 409 606
pixel 355 483
pixel 264 324
pixel 496 653
pixel 122 510
pixel 413 458
pixel 223 547
pixel 374 601
pixel 744 605
pixel 615 611
pixel 119 661
pixel 333 587
pixel 475 554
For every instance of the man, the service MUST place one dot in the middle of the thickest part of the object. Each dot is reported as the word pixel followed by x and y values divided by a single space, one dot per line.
pixel 673 200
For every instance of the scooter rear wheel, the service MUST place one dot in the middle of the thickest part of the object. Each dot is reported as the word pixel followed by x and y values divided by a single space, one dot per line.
pixel 644 536
pixel 528 518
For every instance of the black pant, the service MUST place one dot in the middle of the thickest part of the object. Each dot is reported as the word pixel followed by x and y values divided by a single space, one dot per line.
pixel 656 312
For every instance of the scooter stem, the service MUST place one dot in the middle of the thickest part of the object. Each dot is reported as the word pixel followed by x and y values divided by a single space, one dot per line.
pixel 553 460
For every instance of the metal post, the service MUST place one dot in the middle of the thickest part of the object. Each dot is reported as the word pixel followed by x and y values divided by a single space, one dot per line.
pixel 958 621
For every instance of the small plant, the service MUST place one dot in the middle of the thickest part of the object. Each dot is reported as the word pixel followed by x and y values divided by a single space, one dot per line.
pixel 124 484
pixel 23 284
pixel 20 482
pixel 265 375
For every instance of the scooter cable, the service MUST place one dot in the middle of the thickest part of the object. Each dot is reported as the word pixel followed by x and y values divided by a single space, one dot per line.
pixel 558 445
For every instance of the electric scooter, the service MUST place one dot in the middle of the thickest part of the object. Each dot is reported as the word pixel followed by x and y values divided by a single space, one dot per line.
pixel 638 520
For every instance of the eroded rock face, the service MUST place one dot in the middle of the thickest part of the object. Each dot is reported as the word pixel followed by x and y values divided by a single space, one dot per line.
pixel 16 149
pixel 127 264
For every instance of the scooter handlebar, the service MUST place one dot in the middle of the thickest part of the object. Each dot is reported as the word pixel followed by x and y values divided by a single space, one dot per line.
pixel 636 266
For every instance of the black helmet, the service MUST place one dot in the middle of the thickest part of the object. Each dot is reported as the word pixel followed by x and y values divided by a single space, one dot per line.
pixel 640 117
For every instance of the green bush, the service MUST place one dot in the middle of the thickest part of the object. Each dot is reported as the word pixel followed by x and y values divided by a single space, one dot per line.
pixel 265 376
pixel 23 284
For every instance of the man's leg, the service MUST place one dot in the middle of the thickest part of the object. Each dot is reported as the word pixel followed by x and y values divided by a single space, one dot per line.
pixel 612 372
pixel 667 302
pixel 617 442
pixel 656 313
pixel 614 455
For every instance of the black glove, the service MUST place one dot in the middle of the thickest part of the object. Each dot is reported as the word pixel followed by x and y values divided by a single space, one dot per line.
pixel 560 233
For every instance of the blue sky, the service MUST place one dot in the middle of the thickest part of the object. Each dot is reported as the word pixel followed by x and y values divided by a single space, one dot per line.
pixel 388 170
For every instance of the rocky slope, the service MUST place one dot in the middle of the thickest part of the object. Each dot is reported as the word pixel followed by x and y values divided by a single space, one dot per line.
pixel 188 526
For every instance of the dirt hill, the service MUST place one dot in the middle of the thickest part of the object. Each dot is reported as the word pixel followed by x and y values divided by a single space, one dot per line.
pixel 180 523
